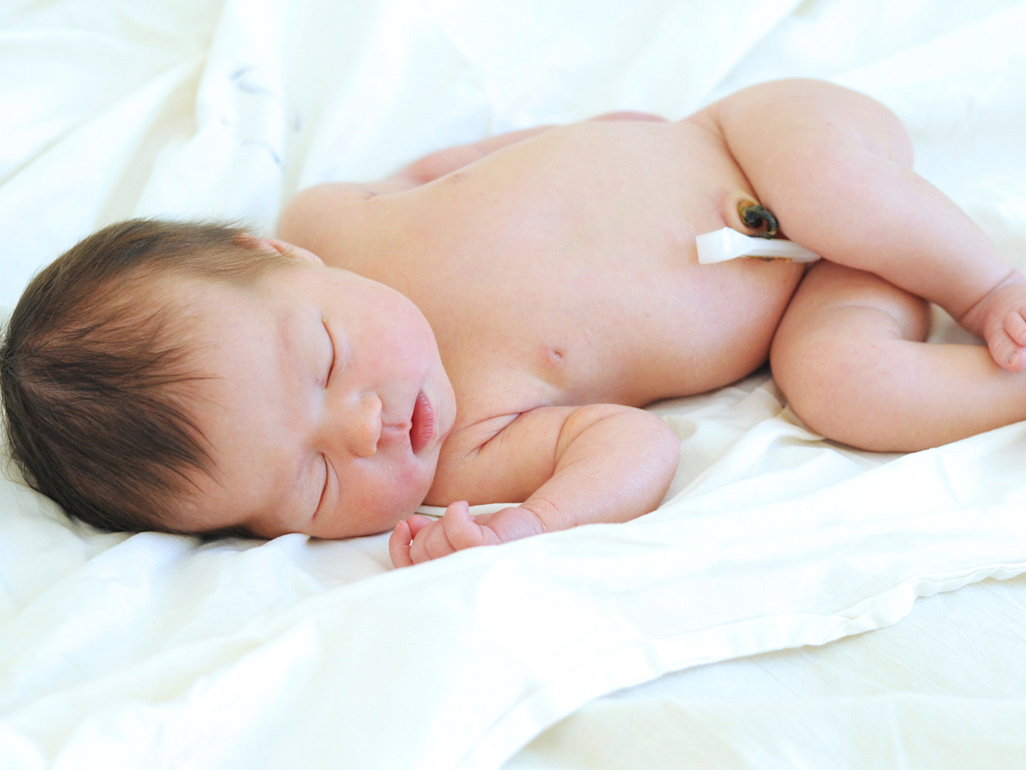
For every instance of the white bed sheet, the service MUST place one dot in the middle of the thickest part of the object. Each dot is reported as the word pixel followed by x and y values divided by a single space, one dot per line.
pixel 156 651
pixel 941 689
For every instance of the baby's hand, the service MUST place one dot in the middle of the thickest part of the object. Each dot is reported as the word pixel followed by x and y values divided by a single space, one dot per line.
pixel 421 538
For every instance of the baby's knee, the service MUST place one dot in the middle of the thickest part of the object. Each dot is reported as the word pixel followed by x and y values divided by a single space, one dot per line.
pixel 880 130
pixel 814 378
pixel 867 122
pixel 842 388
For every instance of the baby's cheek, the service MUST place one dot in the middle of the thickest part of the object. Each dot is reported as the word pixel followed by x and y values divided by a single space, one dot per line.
pixel 408 492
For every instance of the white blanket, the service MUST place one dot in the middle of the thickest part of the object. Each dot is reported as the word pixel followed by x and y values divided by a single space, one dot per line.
pixel 156 651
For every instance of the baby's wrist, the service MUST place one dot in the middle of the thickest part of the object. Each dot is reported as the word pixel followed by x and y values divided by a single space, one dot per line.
pixel 514 523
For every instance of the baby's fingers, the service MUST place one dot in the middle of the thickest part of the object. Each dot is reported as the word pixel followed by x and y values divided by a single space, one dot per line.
pixel 403 536
pixel 430 542
pixel 418 521
pixel 464 531
pixel 420 539
pixel 399 545
pixel 460 528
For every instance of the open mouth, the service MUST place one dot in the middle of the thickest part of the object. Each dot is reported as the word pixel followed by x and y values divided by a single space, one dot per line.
pixel 422 427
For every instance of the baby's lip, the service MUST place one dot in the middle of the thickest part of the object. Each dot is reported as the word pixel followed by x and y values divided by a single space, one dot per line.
pixel 423 423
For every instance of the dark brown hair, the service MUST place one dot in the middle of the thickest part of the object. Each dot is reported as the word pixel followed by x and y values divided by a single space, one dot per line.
pixel 94 375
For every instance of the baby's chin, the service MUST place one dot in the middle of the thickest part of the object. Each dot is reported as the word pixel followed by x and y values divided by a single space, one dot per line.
pixel 389 523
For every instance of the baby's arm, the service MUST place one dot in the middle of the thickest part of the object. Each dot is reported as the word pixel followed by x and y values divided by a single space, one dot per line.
pixel 597 463
pixel 836 169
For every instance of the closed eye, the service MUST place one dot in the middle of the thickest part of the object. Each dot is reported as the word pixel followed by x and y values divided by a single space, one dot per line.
pixel 324 489
pixel 331 359
pixel 327 379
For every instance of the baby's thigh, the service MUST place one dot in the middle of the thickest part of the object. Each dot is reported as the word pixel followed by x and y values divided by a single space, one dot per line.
pixel 832 298
pixel 839 330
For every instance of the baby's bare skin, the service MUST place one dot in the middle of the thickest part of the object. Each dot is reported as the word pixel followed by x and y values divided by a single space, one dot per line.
pixel 579 280
pixel 573 285
pixel 559 272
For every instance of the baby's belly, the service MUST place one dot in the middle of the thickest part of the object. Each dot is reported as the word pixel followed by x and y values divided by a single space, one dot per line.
pixel 584 273
pixel 660 324
pixel 671 335
pixel 734 310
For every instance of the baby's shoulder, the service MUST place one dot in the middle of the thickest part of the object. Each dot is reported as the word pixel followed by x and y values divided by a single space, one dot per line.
pixel 332 220
pixel 314 206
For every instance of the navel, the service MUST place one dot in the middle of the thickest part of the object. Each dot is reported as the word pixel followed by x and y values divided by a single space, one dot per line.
pixel 758 218
pixel 742 213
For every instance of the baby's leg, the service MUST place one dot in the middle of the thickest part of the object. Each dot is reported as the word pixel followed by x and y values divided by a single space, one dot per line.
pixel 836 169
pixel 850 356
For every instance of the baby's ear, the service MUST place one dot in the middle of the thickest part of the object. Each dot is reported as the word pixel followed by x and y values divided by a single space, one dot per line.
pixel 248 241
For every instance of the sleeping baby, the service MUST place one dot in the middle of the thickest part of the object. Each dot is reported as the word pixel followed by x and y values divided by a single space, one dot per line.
pixel 485 326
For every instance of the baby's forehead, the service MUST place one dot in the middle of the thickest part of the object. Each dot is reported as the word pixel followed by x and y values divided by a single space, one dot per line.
pixel 200 303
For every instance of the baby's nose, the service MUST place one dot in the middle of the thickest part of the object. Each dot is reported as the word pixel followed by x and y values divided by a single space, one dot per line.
pixel 360 427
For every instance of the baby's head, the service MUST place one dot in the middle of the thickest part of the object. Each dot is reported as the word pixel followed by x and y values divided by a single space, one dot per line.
pixel 191 378
pixel 97 376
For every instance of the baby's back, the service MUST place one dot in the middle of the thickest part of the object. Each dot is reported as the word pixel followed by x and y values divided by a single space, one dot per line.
pixel 562 270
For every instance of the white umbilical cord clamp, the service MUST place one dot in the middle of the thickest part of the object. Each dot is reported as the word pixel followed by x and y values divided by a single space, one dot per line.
pixel 726 244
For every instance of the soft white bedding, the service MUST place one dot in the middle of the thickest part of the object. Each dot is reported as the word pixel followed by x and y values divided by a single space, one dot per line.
pixel 157 651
